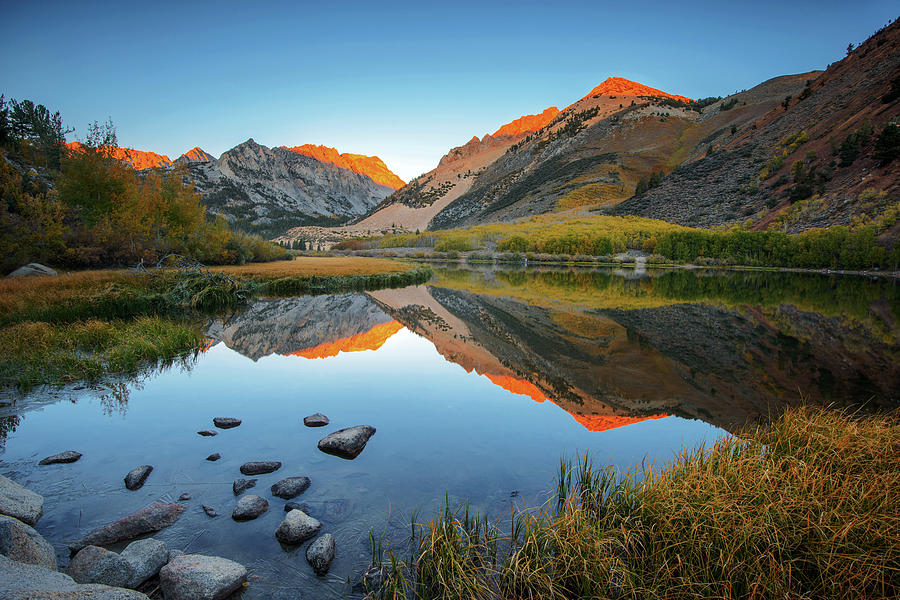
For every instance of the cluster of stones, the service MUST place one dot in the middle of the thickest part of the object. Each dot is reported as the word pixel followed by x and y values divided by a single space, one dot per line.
pixel 28 562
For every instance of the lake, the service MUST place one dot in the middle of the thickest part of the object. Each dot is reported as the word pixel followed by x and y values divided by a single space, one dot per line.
pixel 478 383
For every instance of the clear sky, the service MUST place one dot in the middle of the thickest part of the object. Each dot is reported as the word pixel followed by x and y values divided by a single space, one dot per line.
pixel 405 81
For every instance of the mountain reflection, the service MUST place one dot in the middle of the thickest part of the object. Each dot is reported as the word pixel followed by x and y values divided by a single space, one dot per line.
pixel 726 348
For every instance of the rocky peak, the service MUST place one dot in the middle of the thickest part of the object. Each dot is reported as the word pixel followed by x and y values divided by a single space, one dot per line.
pixel 196 154
pixel 527 123
pixel 619 86
pixel 370 166
pixel 138 159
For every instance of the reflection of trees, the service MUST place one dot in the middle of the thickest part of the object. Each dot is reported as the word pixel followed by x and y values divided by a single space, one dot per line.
pixel 115 398
pixel 8 425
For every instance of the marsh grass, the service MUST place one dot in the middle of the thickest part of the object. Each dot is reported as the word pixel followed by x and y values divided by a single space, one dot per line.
pixel 806 507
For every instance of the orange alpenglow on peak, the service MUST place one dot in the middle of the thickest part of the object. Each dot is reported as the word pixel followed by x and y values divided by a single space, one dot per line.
pixel 517 386
pixel 368 340
pixel 528 123
pixel 138 159
pixel 370 166
pixel 619 86
pixel 197 154
pixel 605 423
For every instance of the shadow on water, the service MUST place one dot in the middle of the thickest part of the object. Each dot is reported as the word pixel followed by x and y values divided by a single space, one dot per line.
pixel 464 379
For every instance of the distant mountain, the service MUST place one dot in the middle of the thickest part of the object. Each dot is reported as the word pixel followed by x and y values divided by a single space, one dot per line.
pixel 138 159
pixel 371 166
pixel 195 155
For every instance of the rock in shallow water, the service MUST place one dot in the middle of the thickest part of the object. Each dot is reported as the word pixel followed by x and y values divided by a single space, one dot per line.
pixel 316 420
pixel 146 558
pixel 19 502
pixel 137 476
pixel 93 564
pixel 207 433
pixel 320 553
pixel 260 467
pixel 214 457
pixel 209 510
pixel 21 581
pixel 150 518
pixel 296 506
pixel 197 577
pixel 21 542
pixel 226 422
pixel 184 496
pixel 290 487
pixel 241 485
pixel 69 456
pixel 297 527
pixel 249 507
pixel 347 443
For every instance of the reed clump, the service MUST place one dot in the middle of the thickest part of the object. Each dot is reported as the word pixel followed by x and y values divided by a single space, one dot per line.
pixel 805 507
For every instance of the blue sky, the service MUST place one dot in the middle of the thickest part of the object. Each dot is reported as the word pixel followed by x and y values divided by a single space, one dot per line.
pixel 405 81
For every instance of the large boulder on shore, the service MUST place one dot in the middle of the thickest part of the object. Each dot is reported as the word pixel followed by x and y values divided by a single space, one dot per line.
pixel 19 502
pixel 320 553
pixel 94 564
pixel 147 520
pixel 347 443
pixel 290 487
pixel 145 557
pixel 20 581
pixel 21 542
pixel 197 577
pixel 32 269
pixel 297 527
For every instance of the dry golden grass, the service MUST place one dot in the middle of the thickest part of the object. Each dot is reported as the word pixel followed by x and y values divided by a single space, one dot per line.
pixel 20 293
pixel 324 266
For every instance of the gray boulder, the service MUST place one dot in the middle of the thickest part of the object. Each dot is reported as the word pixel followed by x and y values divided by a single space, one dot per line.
pixel 226 422
pixel 173 554
pixel 32 269
pixel 93 564
pixel 137 476
pixel 347 443
pixel 297 527
pixel 290 487
pixel 69 456
pixel 20 581
pixel 249 507
pixel 316 420
pixel 21 542
pixel 242 485
pixel 145 557
pixel 147 520
pixel 197 577
pixel 19 502
pixel 320 553
pixel 260 467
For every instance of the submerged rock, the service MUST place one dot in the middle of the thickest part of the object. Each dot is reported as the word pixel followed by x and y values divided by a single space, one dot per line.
pixel 260 467
pixel 297 527
pixel 241 485
pixel 22 581
pixel 209 510
pixel 290 487
pixel 197 577
pixel 21 542
pixel 19 502
pixel 296 506
pixel 146 520
pixel 93 564
pixel 226 422
pixel 214 457
pixel 184 496
pixel 316 420
pixel 347 443
pixel 146 558
pixel 207 433
pixel 69 456
pixel 249 507
pixel 137 476
pixel 320 553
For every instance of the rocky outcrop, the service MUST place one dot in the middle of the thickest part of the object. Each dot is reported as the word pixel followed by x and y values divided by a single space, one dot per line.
pixel 146 520
pixel 197 577
pixel 19 502
pixel 370 166
pixel 21 542
pixel 138 159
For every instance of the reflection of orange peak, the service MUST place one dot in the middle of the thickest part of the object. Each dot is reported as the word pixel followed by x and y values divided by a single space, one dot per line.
pixel 209 343
pixel 624 87
pixel 605 423
pixel 138 159
pixel 517 386
pixel 370 166
pixel 528 123
pixel 372 339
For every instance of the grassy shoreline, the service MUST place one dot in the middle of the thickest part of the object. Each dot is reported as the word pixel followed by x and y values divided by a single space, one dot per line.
pixel 804 507
pixel 89 324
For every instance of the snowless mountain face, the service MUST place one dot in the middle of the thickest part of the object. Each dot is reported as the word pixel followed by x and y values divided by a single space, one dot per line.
pixel 195 155
pixel 269 190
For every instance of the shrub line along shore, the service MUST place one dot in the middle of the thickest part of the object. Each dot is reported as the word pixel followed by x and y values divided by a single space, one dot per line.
pixel 92 324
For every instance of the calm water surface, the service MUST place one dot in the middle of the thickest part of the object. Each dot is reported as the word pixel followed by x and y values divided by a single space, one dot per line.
pixel 477 384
